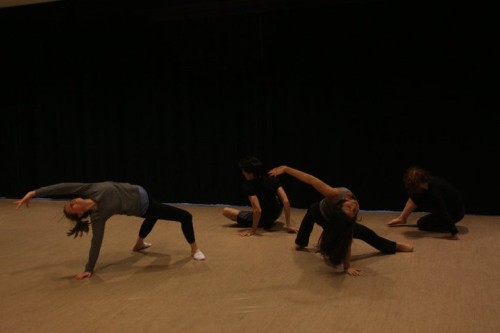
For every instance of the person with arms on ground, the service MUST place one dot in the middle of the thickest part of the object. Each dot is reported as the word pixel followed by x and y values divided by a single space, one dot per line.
pixel 100 201
pixel 337 213
pixel 435 195
pixel 267 198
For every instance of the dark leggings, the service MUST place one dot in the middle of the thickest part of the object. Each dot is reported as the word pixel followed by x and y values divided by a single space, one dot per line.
pixel 362 232
pixel 158 211
pixel 434 222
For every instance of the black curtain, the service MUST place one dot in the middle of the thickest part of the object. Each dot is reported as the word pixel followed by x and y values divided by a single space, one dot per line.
pixel 170 95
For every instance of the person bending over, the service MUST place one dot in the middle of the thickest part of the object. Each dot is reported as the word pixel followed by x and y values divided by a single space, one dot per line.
pixel 435 195
pixel 95 203
pixel 337 213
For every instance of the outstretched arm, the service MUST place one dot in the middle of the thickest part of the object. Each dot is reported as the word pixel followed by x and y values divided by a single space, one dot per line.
pixel 56 189
pixel 25 200
pixel 319 185
pixel 403 217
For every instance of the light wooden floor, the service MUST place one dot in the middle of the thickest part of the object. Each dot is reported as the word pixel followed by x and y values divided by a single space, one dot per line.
pixel 256 284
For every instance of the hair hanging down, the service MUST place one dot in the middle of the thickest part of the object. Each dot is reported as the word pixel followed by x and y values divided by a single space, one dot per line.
pixel 81 225
pixel 336 238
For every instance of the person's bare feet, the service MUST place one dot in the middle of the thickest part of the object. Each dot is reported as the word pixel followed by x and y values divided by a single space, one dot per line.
pixel 403 247
pixel 140 247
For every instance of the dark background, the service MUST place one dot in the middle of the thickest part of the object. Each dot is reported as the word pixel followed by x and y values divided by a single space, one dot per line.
pixel 171 94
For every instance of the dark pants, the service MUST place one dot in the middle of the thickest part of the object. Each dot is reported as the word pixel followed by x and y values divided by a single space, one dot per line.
pixel 433 222
pixel 159 211
pixel 313 215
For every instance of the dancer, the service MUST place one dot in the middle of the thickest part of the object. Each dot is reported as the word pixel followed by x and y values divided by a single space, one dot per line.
pixel 435 195
pixel 100 201
pixel 337 213
pixel 267 198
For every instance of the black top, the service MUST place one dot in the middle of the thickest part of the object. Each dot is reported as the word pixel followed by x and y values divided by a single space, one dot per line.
pixel 265 188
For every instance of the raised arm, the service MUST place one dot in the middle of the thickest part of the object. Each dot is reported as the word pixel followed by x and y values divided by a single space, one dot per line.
pixel 319 185
pixel 56 189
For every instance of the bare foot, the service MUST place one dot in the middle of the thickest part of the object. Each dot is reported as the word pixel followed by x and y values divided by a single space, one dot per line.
pixel 140 247
pixel 403 247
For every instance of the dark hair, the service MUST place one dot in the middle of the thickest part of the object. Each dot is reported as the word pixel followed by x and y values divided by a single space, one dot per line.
pixel 252 164
pixel 337 237
pixel 414 177
pixel 81 225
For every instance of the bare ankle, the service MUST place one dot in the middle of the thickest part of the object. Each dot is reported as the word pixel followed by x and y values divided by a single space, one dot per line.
pixel 402 247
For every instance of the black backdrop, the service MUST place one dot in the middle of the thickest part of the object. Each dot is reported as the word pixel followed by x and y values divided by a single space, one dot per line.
pixel 170 94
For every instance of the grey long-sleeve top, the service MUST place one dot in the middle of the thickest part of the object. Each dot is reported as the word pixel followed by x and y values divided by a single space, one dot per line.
pixel 112 198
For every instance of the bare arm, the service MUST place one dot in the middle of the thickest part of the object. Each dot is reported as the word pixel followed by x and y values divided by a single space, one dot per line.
pixel 347 264
pixel 25 200
pixel 403 217
pixel 286 208
pixel 319 185
pixel 257 213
